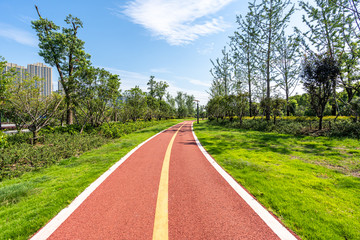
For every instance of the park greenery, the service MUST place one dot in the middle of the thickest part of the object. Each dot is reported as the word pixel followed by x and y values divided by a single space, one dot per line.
pixel 31 200
pixel 310 183
pixel 89 110
pixel 265 62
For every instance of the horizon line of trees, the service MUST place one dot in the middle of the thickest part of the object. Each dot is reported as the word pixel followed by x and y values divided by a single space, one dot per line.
pixel 265 61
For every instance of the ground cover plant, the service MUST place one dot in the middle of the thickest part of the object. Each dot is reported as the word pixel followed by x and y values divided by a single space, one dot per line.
pixel 311 183
pixel 341 127
pixel 18 156
pixel 30 201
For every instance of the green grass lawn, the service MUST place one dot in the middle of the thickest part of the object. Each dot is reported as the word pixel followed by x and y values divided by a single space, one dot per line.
pixel 27 203
pixel 311 184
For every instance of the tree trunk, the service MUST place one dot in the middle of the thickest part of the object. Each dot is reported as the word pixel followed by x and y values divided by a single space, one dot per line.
pixel 35 136
pixel 287 98
pixel 320 122
pixel 268 56
pixel 69 113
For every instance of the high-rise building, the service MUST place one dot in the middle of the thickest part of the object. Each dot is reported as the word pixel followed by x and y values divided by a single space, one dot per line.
pixel 36 69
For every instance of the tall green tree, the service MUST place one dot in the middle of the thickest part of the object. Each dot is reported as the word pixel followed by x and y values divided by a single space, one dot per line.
pixel 273 16
pixel 152 85
pixel 64 51
pixel 135 103
pixel 319 74
pixel 288 66
pixel 97 91
pixel 222 73
pixel 190 104
pixel 323 18
pixel 6 77
pixel 244 48
pixel 160 89
pixel 182 110
pixel 28 106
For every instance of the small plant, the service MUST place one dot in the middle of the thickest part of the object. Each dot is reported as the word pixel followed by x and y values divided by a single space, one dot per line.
pixel 3 140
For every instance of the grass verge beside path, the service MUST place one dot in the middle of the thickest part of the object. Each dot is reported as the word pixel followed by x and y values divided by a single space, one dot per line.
pixel 311 184
pixel 27 203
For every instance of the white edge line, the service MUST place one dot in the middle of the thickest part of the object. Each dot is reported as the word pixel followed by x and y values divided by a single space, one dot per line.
pixel 51 226
pixel 270 220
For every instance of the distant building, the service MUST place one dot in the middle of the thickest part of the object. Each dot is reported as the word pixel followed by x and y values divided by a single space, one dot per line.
pixel 36 69
pixel 60 88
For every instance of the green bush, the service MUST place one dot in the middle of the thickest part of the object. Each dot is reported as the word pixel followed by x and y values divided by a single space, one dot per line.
pixel 342 127
pixel 3 140
pixel 57 143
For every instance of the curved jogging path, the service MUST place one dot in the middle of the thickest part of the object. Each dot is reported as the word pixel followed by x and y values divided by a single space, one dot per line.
pixel 166 189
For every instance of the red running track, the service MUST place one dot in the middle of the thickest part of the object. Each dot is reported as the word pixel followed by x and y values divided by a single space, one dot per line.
pixel 201 205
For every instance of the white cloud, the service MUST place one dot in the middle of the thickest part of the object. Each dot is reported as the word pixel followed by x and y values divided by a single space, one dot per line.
pixel 131 79
pixel 18 35
pixel 178 22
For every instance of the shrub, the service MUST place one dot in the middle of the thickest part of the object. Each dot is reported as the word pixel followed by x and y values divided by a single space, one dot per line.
pixel 3 140
pixel 342 127
pixel 23 157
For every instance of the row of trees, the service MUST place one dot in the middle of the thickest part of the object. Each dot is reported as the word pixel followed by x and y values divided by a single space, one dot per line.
pixel 264 62
pixel 90 95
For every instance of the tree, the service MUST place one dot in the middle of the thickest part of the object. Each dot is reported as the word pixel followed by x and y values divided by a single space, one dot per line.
pixel 135 103
pixel 323 20
pixel 97 91
pixel 182 110
pixel 30 107
pixel 152 85
pixel 350 51
pixel 272 19
pixel 288 67
pixel 244 48
pixel 5 79
pixel 170 100
pixel 215 108
pixel 160 89
pixel 277 105
pixel 319 74
pixel 221 73
pixel 64 51
pixel 190 104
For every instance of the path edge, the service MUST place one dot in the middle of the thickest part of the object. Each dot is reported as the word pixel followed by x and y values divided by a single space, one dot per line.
pixel 281 231
pixel 46 231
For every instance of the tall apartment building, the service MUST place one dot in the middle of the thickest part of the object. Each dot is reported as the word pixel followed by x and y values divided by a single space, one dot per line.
pixel 36 69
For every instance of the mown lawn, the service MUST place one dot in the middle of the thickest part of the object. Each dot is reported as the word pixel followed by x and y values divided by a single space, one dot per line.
pixel 30 201
pixel 311 184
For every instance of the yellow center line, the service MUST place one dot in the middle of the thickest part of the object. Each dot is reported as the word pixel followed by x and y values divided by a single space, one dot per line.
pixel 161 214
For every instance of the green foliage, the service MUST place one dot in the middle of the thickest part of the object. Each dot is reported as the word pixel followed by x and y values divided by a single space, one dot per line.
pixel 300 126
pixel 57 143
pixel 135 103
pixel 3 140
pixel 311 184
pixel 320 72
pixel 27 106
pixel 64 51
pixel 97 92
pixel 23 157
pixel 40 195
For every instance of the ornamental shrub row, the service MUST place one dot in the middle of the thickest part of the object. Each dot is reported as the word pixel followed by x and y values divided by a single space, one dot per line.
pixel 17 155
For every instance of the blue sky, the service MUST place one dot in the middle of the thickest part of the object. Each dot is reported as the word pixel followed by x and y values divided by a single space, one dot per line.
pixel 170 39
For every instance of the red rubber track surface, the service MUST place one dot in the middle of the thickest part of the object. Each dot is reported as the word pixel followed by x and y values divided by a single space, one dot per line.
pixel 202 205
